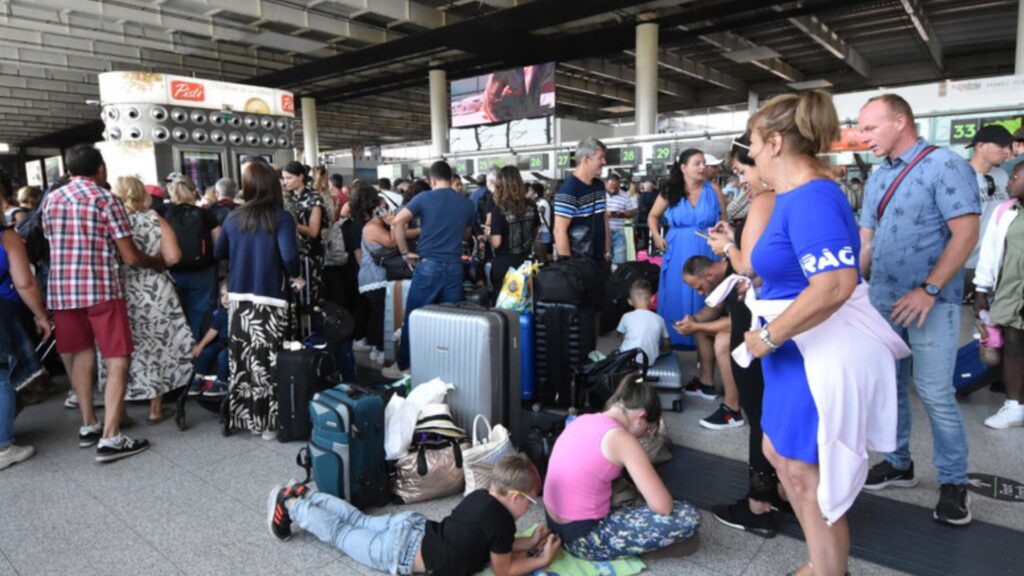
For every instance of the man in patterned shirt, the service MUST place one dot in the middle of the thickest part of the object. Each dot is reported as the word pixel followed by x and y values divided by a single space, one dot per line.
pixel 913 249
pixel 87 230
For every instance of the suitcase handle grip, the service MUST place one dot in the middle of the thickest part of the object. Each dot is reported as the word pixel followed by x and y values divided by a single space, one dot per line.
pixel 305 461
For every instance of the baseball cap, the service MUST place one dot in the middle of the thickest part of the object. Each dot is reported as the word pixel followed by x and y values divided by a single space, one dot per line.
pixel 993 133
pixel 711 160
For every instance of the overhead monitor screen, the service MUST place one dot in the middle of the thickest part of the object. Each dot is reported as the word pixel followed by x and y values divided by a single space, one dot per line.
pixel 512 94
pixel 204 168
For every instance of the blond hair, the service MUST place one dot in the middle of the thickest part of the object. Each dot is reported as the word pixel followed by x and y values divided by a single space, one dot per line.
pixel 29 195
pixel 807 121
pixel 133 193
pixel 515 472
pixel 182 191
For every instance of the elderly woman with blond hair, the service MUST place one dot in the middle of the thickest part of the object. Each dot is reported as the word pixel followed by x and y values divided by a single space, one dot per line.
pixel 162 360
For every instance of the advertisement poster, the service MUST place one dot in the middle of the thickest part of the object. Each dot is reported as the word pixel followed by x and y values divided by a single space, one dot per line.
pixel 512 94
pixel 155 88
pixel 850 140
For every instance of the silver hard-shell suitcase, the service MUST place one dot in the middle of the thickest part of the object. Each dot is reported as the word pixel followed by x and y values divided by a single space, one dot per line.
pixel 476 350
pixel 666 377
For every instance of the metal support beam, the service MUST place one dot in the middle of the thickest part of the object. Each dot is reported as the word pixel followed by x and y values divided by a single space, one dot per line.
pixel 439 112
pixel 577 84
pixel 310 137
pixel 700 72
pixel 627 75
pixel 830 41
pixel 924 29
pixel 729 41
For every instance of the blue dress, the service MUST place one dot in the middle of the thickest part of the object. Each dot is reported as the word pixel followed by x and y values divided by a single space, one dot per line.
pixel 675 298
pixel 812 230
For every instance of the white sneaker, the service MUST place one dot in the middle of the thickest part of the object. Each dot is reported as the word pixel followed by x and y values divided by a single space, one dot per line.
pixel 15 454
pixel 393 372
pixel 269 435
pixel 378 357
pixel 1010 415
pixel 71 402
pixel 360 345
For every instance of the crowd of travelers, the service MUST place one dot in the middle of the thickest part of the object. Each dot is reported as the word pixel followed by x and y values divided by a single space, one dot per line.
pixel 772 264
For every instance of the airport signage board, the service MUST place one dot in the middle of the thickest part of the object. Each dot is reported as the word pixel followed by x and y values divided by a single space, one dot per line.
pixel 464 167
pixel 962 130
pixel 662 154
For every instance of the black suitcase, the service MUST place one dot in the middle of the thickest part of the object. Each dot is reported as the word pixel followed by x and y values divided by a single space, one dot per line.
pixel 616 296
pixel 564 337
pixel 300 375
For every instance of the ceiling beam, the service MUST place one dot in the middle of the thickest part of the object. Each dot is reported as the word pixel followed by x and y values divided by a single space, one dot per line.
pixel 627 75
pixel 924 30
pixel 730 41
pixel 699 71
pixel 832 43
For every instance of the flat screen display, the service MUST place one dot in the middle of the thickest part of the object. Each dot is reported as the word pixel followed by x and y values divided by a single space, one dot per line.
pixel 524 92
pixel 204 168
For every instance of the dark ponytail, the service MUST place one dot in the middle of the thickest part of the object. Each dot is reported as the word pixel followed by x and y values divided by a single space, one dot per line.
pixel 633 393
pixel 676 189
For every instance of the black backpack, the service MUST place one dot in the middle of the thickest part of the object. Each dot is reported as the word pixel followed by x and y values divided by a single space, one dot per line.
pixel 195 236
pixel 30 229
pixel 522 231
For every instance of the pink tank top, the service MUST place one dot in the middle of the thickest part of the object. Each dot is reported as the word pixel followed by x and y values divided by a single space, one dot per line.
pixel 579 481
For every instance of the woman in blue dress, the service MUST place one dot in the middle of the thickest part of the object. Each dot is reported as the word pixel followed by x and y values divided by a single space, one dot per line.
pixel 807 255
pixel 689 204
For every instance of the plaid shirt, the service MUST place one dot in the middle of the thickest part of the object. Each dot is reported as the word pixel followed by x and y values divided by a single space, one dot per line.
pixel 81 220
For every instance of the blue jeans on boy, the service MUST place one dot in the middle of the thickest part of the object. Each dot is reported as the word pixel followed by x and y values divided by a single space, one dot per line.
pixel 933 360
pixel 197 290
pixel 214 357
pixel 386 543
pixel 434 281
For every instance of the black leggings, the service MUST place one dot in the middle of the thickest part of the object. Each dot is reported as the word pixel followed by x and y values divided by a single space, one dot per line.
pixel 375 317
pixel 763 480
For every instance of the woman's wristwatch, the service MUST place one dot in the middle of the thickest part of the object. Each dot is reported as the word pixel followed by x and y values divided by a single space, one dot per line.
pixel 725 249
pixel 767 339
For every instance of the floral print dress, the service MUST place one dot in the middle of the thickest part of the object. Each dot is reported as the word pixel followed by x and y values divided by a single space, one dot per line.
pixel 163 342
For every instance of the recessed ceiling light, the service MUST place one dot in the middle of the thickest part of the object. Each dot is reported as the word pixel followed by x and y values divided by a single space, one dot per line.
pixel 285 42
pixel 818 84
pixel 618 109
pixel 750 54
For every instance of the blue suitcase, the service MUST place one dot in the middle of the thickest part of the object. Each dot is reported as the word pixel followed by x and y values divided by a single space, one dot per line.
pixel 346 452
pixel 527 356
pixel 970 373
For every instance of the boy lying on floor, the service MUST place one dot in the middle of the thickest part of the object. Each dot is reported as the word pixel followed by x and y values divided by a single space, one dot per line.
pixel 481 529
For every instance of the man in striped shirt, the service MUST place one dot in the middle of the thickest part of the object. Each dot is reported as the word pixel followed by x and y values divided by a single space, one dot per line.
pixel 621 206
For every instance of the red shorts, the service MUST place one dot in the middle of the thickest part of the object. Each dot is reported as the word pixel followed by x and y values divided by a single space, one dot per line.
pixel 104 325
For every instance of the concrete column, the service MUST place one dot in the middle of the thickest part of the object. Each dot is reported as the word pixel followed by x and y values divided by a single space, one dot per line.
pixel 1018 67
pixel 753 102
pixel 439 107
pixel 310 136
pixel 647 78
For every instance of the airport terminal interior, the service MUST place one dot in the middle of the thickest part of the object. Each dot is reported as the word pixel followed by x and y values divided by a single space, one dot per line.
pixel 355 98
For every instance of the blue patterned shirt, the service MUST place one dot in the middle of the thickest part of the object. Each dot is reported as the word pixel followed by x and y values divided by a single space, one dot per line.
pixel 913 231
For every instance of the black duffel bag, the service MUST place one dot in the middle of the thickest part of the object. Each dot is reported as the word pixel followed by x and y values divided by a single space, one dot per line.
pixel 595 383
pixel 566 281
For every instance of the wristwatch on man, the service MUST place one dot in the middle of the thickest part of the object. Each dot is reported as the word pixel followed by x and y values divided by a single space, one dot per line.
pixel 931 289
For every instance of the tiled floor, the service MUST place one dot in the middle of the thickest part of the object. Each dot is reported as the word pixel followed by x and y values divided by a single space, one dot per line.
pixel 194 503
